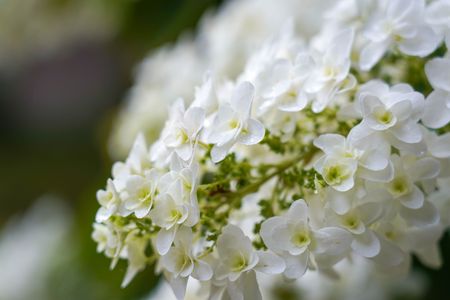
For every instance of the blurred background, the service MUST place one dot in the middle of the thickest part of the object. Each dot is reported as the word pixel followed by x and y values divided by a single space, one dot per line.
pixel 65 67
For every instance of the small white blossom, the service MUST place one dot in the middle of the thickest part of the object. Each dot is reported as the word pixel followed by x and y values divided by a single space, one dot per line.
pixel 437 105
pixel 346 158
pixel 181 130
pixel 233 123
pixel 170 212
pixel 107 240
pixel 358 221
pixel 135 246
pixel 397 23
pixel 392 112
pixel 329 74
pixel 438 16
pixel 238 261
pixel 140 192
pixel 109 200
pixel 180 262
pixel 292 237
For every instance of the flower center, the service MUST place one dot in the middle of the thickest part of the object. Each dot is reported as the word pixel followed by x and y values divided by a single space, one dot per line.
pixel 239 263
pixel 329 71
pixel 143 193
pixel 399 186
pixel 384 117
pixel 233 124
pixel 301 239
pixel 351 222
pixel 175 215
pixel 182 136
pixel 182 262
pixel 335 174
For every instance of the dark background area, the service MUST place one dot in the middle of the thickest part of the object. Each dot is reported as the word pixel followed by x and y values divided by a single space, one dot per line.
pixel 56 112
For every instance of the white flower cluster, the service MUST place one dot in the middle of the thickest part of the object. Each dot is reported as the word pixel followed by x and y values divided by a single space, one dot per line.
pixel 225 40
pixel 311 156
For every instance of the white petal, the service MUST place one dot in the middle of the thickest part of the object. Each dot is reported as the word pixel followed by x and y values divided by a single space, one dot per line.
pixel 254 133
pixel 375 161
pixel 366 244
pixel 333 244
pixel 178 286
pixel 408 132
pixel 390 254
pixel 371 54
pixel 430 256
pixel 129 275
pixel 298 211
pixel 103 214
pixel 370 212
pixel 438 73
pixel 270 263
pixel 269 228
pixel 425 168
pixel 360 131
pixel 251 290
pixel 426 215
pixel 241 100
pixel 339 202
pixel 245 288
pixel 328 142
pixel 440 146
pixel 424 42
pixel 202 271
pixel 436 114
pixel 414 199
pixel 218 153
pixel 164 240
pixel 296 266
pixel 194 118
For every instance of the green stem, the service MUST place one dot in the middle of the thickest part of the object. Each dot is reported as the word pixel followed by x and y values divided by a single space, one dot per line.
pixel 254 187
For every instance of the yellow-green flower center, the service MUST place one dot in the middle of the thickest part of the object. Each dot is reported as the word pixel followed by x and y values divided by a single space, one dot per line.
pixel 399 186
pixel 233 124
pixel 384 117
pixel 239 263
pixel 335 174
pixel 301 239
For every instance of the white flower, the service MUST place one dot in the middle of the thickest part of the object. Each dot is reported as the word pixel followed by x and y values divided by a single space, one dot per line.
pixel 181 130
pixel 180 262
pixel 398 239
pixel 403 196
pixel 109 200
pixel 184 177
pixel 282 84
pixel 135 246
pixel 137 162
pixel 329 74
pixel 140 192
pixel 438 16
pixel 437 105
pixel 238 262
pixel 347 157
pixel 358 221
pixel 233 123
pixel 397 23
pixel 338 172
pixel 107 241
pixel 170 212
pixel 392 112
pixel 292 237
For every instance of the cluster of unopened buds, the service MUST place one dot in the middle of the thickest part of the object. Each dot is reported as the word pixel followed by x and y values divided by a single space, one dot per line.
pixel 316 153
